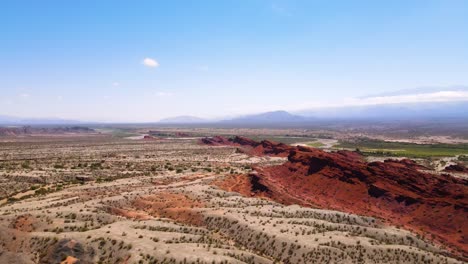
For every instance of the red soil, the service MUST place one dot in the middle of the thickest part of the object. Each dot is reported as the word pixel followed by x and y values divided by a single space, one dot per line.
pixel 393 190
pixel 24 223
pixel 250 185
pixel 171 205
pixel 129 213
pixel 177 207
pixel 70 260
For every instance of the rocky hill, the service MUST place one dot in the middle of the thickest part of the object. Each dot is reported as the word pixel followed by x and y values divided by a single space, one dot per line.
pixel 397 191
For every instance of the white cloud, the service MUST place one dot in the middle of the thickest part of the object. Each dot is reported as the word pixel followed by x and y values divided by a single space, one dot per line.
pixel 434 97
pixel 59 98
pixel 24 95
pixel 149 62
pixel 115 84
pixel 431 97
pixel 163 94
pixel 442 96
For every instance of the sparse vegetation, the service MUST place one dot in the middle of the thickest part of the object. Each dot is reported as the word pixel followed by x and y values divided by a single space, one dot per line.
pixel 111 196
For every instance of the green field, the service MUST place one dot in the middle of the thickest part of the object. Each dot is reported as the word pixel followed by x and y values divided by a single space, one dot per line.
pixel 402 149
pixel 315 144
pixel 282 139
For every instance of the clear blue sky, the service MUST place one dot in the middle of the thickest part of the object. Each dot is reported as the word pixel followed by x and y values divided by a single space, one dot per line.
pixel 83 59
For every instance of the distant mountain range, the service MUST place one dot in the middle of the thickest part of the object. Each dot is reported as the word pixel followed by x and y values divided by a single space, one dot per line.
pixel 183 119
pixel 262 118
pixel 268 117
pixel 424 102
pixel 420 103
pixel 403 111
pixel 385 112
pixel 12 121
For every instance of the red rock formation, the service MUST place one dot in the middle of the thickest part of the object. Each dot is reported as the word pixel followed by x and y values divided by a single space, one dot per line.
pixel 216 141
pixel 270 149
pixel 393 190
pixel 250 146
pixel 460 168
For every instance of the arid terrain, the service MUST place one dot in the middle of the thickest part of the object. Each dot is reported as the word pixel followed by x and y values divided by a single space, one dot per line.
pixel 160 195
pixel 219 132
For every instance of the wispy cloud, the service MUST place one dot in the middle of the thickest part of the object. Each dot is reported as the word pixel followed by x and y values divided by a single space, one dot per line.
pixel 24 95
pixel 163 94
pixel 115 84
pixel 442 96
pixel 433 97
pixel 149 62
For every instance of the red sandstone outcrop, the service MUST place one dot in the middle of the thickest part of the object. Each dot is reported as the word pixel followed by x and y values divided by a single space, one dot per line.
pixel 460 168
pixel 216 141
pixel 250 146
pixel 394 190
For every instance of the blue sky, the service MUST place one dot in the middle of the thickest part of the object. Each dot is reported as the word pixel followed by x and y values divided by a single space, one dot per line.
pixel 84 59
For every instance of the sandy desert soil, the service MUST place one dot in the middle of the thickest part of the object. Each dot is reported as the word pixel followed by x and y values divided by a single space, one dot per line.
pixel 108 200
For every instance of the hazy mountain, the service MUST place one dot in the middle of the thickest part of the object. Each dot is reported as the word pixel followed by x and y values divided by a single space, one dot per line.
pixel 183 120
pixel 268 117
pixel 423 102
pixel 394 111
pixel 8 119
pixel 11 120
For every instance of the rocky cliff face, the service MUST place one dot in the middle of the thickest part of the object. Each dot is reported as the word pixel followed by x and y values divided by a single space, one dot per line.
pixel 250 146
pixel 458 168
pixel 216 141
pixel 393 190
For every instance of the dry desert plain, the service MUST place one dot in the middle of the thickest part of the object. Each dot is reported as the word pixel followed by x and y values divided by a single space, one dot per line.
pixel 95 198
